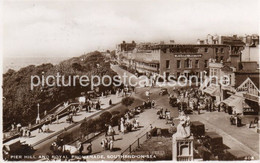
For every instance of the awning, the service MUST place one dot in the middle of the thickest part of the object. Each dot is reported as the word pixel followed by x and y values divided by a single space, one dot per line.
pixel 212 90
pixel 238 103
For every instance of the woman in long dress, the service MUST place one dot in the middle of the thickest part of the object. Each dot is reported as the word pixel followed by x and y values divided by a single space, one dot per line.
pixel 122 126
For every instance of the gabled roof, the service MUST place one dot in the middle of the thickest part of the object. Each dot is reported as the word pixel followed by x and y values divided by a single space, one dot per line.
pixel 226 68
pixel 239 80
pixel 255 80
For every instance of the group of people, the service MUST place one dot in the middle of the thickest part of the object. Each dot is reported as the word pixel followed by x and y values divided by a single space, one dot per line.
pixel 125 124
pixel 149 104
pixel 44 128
pixel 25 132
pixel 89 105
pixel 163 114
pixel 107 143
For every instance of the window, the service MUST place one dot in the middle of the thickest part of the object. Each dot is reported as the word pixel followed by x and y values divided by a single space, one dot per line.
pixel 167 75
pixel 188 63
pixel 206 50
pixel 197 74
pixel 216 50
pixel 216 58
pixel 222 50
pixel 221 58
pixel 178 63
pixel 167 63
pixel 206 63
pixel 197 63
pixel 178 74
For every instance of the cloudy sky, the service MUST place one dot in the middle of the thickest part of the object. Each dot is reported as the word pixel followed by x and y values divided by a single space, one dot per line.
pixel 71 27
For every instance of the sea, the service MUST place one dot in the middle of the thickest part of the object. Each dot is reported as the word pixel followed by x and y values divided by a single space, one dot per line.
pixel 18 63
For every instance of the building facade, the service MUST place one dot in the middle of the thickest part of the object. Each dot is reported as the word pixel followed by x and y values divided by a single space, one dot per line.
pixel 173 59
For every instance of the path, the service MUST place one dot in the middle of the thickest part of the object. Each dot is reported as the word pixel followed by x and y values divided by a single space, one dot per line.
pixel 57 128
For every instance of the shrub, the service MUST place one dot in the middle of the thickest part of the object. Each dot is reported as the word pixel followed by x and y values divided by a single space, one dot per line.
pixel 127 101
pixel 98 125
pixel 114 120
pixel 115 112
pixel 87 127
pixel 105 117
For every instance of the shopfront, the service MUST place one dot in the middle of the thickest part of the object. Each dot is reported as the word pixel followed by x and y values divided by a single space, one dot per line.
pixel 251 94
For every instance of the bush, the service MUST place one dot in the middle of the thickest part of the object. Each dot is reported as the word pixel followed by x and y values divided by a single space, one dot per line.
pixel 105 117
pixel 124 111
pixel 87 127
pixel 98 124
pixel 127 101
pixel 115 112
pixel 114 120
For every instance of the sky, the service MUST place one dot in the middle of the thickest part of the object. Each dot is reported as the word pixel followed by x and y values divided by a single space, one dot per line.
pixel 65 28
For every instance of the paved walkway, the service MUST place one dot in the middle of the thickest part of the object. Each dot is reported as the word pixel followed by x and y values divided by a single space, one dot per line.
pixel 56 128
pixel 122 141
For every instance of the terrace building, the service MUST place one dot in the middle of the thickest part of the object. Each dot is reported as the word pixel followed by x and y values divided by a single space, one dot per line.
pixel 176 59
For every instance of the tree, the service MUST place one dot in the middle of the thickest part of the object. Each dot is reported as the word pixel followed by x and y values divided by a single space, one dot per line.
pixel 127 101
pixel 113 54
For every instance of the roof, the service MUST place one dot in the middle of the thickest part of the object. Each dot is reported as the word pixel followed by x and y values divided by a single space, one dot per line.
pixel 241 78
pixel 226 68
pixel 255 80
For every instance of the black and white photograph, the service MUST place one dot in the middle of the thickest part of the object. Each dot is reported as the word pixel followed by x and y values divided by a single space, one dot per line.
pixel 129 80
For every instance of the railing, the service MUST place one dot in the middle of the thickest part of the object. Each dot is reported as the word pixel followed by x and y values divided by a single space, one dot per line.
pixel 133 147
pixel 14 134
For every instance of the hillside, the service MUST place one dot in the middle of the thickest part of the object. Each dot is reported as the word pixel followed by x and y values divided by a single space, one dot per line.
pixel 20 102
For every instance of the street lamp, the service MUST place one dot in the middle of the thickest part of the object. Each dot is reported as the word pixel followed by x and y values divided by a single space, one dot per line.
pixel 38 116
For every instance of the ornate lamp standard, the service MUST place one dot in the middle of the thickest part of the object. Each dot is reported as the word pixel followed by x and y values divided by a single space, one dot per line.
pixel 38 116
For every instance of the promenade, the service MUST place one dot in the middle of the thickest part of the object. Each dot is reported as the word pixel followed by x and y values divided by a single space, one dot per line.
pixel 122 141
pixel 56 128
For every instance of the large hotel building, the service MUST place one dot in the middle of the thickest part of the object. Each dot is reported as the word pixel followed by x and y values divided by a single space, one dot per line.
pixel 180 59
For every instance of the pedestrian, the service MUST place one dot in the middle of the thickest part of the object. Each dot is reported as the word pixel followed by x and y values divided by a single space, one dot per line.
pixel 119 124
pixel 106 129
pixel 57 119
pixel 122 126
pixel 50 117
pixel 165 112
pixel 111 145
pixel 44 128
pixel 89 148
pixel 104 143
pixel 21 132
pixel 111 132
pixel 29 133
pixel 18 126
pixel 80 148
pixel 40 128
pixel 110 102
pixel 153 104
pixel 12 127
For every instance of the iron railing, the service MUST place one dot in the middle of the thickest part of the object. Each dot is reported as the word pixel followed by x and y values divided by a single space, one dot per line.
pixel 133 147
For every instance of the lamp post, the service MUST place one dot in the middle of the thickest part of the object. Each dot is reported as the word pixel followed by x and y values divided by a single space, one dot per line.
pixel 38 116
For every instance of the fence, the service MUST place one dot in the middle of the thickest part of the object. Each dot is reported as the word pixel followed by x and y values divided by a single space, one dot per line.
pixel 133 147
pixel 14 134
